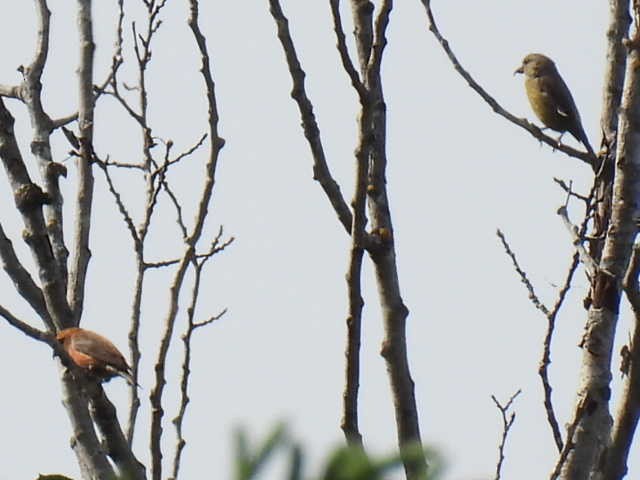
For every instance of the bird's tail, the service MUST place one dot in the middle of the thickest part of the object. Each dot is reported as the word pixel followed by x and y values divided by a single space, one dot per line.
pixel 581 136
pixel 124 374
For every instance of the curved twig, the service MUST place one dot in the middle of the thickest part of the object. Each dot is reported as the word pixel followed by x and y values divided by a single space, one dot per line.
pixel 493 103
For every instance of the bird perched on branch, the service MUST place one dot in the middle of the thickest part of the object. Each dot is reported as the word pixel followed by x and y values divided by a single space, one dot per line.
pixel 94 353
pixel 550 97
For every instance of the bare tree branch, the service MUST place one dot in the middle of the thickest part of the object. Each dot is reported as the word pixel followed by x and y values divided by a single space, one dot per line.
pixel 551 316
pixel 628 411
pixel 31 95
pixel 29 200
pixel 21 325
pixel 192 326
pixel 382 250
pixel 588 262
pixel 92 459
pixel 569 445
pixel 22 280
pixel 615 64
pixel 543 369
pixel 523 275
pixel 62 121
pixel 117 447
pixel 349 422
pixel 10 91
pixel 321 171
pixel 493 103
pixel 203 207
pixel 592 433
pixel 347 63
pixel 181 156
pixel 84 197
pixel 507 423
pixel 362 13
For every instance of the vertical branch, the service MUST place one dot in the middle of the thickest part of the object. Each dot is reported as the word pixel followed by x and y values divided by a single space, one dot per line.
pixel 216 141
pixel 371 160
pixel 155 398
pixel 543 369
pixel 84 198
pixel 31 95
pixel 362 12
pixel 192 326
pixel 628 411
pixel 349 422
pixel 619 22
pixel 382 252
pixel 321 171
pixel 592 432
pixel 91 457
pixel 203 207
pixel 142 48
pixel 134 347
pixel 29 200
pixel 354 320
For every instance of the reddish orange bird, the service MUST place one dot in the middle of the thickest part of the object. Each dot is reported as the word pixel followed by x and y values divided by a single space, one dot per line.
pixel 94 353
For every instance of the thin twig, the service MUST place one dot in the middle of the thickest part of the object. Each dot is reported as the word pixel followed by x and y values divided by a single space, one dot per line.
pixel 543 369
pixel 192 326
pixel 589 264
pixel 190 243
pixel 181 156
pixel 492 102
pixel 343 50
pixel 551 317
pixel 321 171
pixel 568 189
pixel 523 275
pixel 126 216
pixel 168 263
pixel 22 280
pixel 507 423
pixel 23 326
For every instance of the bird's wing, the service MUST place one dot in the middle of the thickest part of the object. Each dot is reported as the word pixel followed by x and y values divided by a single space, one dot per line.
pixel 101 350
pixel 559 94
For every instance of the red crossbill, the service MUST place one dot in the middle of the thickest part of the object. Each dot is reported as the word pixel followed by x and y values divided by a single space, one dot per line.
pixel 94 353
pixel 550 97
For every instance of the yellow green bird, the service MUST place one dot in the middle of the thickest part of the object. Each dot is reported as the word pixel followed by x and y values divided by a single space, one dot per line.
pixel 550 97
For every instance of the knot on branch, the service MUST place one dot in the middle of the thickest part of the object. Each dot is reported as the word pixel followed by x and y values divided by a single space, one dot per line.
pixel 379 241
pixel 387 350
pixel 365 7
pixel 606 293
pixel 632 43
pixel 218 143
pixel 30 196
pixel 55 170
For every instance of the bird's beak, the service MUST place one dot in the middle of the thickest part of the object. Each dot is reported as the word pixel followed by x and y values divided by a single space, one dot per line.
pixel 519 70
